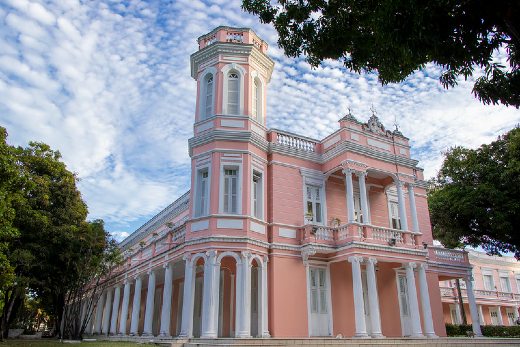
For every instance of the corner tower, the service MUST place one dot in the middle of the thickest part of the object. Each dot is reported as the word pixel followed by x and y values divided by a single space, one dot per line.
pixel 232 71
pixel 229 147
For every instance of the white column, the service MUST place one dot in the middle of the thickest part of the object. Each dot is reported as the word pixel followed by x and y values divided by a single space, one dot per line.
pixel 402 207
pixel 412 299
pixel 263 331
pixel 245 304
pixel 99 313
pixel 373 299
pixel 363 195
pixel 413 208
pixel 480 315
pixel 115 310
pixel 350 195
pixel 124 308
pixel 150 303
pixel 499 312
pixel 359 309
pixel 187 306
pixel 108 309
pixel 425 302
pixel 134 322
pixel 239 322
pixel 475 322
pixel 208 302
pixel 515 311
pixel 167 302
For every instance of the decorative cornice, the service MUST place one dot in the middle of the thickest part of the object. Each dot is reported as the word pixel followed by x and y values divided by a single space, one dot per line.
pixel 227 135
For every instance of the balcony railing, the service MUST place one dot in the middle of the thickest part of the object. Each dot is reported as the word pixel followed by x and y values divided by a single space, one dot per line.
pixel 352 231
pixel 295 141
pixel 481 294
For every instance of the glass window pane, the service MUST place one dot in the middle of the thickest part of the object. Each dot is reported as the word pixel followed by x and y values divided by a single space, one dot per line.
pixel 323 301
pixel 318 213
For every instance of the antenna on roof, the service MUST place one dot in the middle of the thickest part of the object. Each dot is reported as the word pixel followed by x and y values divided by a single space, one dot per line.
pixel 396 125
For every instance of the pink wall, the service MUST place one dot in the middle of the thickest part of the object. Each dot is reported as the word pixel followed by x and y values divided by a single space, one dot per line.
pixel 288 297
pixel 342 299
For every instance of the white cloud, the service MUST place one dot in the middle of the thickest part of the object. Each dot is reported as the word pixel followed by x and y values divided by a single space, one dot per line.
pixel 108 84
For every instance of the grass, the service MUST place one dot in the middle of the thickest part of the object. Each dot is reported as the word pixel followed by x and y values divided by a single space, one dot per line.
pixel 57 343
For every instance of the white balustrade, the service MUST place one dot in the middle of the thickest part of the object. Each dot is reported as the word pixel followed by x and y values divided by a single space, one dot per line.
pixel 342 232
pixel 297 142
pixel 449 255
pixel 234 37
pixel 324 233
pixel 386 234
pixel 211 39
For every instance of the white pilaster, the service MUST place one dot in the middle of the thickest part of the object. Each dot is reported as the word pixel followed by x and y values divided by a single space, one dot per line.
pixel 480 315
pixel 99 313
pixel 350 195
pixel 150 303
pixel 402 207
pixel 243 329
pixel 208 302
pixel 475 322
pixel 363 195
pixel 413 208
pixel 124 308
pixel 412 299
pixel 263 330
pixel 187 306
pixel 373 299
pixel 499 312
pixel 115 310
pixel 359 309
pixel 167 302
pixel 108 309
pixel 425 302
pixel 134 322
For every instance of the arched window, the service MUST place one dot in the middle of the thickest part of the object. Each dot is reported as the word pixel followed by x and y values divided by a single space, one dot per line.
pixel 233 94
pixel 208 111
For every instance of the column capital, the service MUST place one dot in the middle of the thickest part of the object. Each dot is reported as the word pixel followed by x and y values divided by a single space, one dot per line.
pixel 150 272
pixel 128 281
pixel 410 265
pixel 422 266
pixel 347 171
pixel 138 277
pixel 186 257
pixel 355 259
pixel 361 174
pixel 167 266
pixel 266 259
pixel 372 261
pixel 246 254
pixel 399 183
pixel 409 185
pixel 118 285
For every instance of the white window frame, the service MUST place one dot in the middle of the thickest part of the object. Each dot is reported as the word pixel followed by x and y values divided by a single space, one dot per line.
pixel 321 193
pixel 517 279
pixel 456 308
pixel 494 320
pixel 199 173
pixel 505 275
pixel 241 72
pixel 255 77
pixel 511 316
pixel 391 198
pixel 492 284
pixel 256 173
pixel 205 76
pixel 230 166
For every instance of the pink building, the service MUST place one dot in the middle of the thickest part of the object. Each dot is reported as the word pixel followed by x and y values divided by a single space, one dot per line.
pixel 496 288
pixel 282 235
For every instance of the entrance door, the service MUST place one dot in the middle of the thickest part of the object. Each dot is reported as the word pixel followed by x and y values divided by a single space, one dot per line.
pixel 319 313
pixel 197 309
pixel 404 307
pixel 365 302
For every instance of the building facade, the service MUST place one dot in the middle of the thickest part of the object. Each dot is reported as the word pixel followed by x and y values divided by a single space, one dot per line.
pixel 496 288
pixel 280 234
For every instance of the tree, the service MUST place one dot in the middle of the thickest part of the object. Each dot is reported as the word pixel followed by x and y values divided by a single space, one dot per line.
pixel 475 199
pixel 51 242
pixel 397 37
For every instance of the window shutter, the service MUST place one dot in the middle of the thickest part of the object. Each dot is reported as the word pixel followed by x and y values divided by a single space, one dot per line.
pixel 233 94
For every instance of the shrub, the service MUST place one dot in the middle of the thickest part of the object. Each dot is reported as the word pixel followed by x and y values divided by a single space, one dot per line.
pixel 487 330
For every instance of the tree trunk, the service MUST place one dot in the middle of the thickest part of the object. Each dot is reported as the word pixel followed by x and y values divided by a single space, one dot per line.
pixel 9 301
pixel 461 303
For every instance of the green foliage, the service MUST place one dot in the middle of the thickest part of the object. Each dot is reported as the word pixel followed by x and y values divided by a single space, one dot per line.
pixel 475 199
pixel 44 236
pixel 395 38
pixel 487 330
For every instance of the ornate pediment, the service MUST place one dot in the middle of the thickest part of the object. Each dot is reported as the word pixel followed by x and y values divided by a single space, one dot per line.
pixel 375 126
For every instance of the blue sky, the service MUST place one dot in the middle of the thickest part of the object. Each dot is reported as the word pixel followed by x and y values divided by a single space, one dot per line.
pixel 107 83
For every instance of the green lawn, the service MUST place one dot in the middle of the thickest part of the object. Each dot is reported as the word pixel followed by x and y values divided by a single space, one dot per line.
pixel 57 343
